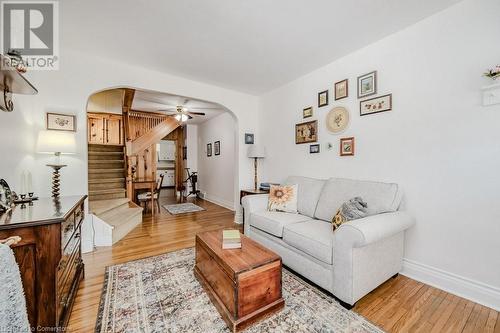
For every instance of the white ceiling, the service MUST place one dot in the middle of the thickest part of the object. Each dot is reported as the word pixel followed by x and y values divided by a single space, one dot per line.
pixel 247 45
pixel 156 101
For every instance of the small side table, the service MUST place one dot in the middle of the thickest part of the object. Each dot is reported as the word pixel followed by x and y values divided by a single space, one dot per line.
pixel 244 193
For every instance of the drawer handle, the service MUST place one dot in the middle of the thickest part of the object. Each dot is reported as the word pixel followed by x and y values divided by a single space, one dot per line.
pixel 63 265
pixel 64 301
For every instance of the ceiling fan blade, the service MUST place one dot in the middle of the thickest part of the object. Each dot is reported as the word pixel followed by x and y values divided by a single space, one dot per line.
pixel 195 113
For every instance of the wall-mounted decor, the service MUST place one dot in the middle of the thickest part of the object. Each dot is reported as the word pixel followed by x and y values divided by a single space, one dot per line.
pixel 61 122
pixel 209 149
pixel 314 149
pixel 249 139
pixel 367 84
pixel 306 132
pixel 375 105
pixel 307 112
pixel 323 98
pixel 341 89
pixel 347 146
pixel 337 119
pixel 217 148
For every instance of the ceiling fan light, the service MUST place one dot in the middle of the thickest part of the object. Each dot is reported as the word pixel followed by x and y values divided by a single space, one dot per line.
pixel 178 117
pixel 184 117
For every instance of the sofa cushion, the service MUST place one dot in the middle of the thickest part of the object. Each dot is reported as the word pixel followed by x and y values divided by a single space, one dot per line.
pixel 314 237
pixel 309 192
pixel 380 197
pixel 273 222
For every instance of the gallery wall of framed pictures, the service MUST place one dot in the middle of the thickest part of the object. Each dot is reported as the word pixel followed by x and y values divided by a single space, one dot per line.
pixel 337 117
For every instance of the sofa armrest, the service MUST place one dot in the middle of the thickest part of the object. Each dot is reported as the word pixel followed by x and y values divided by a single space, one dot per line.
pixel 253 203
pixel 373 228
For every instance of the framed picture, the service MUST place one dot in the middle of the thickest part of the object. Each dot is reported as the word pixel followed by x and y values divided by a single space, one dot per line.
pixel 61 122
pixel 314 149
pixel 347 146
pixel 217 148
pixel 306 132
pixel 375 105
pixel 184 153
pixel 249 139
pixel 307 112
pixel 367 84
pixel 341 89
pixel 209 149
pixel 323 98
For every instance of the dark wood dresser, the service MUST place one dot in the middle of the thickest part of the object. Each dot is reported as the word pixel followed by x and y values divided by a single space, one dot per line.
pixel 49 257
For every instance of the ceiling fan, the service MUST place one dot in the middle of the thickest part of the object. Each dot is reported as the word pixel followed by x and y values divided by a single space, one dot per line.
pixel 181 113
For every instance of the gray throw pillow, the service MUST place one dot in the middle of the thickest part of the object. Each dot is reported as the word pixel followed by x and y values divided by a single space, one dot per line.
pixel 353 209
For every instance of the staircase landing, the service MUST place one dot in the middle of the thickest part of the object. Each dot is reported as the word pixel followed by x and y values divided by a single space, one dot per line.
pixel 120 214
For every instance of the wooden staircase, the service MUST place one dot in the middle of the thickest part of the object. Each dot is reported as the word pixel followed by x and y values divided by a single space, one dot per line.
pixel 121 215
pixel 106 172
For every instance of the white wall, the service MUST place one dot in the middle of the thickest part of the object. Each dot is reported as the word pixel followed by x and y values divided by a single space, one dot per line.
pixel 67 91
pixel 438 143
pixel 216 173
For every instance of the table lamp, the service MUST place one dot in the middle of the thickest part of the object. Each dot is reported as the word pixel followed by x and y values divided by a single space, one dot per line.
pixel 256 152
pixel 57 143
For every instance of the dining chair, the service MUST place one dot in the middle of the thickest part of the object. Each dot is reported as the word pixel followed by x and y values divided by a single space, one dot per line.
pixel 146 196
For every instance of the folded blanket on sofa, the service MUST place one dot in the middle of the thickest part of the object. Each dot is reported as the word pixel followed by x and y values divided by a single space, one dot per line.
pixel 13 315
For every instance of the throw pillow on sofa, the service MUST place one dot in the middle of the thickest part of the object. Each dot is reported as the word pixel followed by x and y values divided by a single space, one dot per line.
pixel 283 199
pixel 353 209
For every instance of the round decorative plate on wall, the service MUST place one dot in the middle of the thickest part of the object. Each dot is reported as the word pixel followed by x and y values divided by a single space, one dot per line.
pixel 337 119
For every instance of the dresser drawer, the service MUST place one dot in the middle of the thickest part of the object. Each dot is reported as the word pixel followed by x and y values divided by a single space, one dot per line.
pixel 68 252
pixel 67 277
pixel 67 230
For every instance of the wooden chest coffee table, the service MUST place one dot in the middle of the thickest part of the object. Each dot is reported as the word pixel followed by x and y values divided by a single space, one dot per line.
pixel 244 284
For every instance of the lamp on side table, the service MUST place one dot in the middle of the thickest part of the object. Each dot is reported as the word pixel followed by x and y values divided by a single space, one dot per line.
pixel 57 143
pixel 256 152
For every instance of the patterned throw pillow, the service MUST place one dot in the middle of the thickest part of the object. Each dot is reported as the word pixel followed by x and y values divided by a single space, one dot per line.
pixel 353 209
pixel 283 199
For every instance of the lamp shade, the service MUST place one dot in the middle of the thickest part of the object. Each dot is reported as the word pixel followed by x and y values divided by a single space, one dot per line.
pixel 256 151
pixel 56 142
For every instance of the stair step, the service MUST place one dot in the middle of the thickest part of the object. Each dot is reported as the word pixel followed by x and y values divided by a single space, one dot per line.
pixel 105 148
pixel 99 170
pixel 105 156
pixel 106 164
pixel 99 207
pixel 107 194
pixel 104 186
pixel 107 180
pixel 120 216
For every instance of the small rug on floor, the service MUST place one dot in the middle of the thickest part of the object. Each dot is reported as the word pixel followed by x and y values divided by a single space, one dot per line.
pixel 183 208
pixel 161 294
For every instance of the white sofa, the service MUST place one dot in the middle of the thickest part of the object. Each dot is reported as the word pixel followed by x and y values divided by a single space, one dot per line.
pixel 350 262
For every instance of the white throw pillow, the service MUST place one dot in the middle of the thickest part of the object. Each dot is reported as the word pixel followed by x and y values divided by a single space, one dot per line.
pixel 283 198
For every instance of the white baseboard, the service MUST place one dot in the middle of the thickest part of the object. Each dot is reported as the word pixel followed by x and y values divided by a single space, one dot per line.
pixel 458 285
pixel 218 201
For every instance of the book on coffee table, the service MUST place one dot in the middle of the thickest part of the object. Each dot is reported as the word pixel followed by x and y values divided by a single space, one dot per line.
pixel 231 239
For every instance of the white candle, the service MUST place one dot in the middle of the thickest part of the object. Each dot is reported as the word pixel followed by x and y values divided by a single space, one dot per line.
pixel 23 183
pixel 30 182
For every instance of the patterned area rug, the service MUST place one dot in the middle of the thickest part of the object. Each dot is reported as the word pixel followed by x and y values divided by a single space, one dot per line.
pixel 161 294
pixel 183 208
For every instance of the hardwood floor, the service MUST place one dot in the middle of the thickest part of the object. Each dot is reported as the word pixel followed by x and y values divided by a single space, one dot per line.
pixel 399 305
